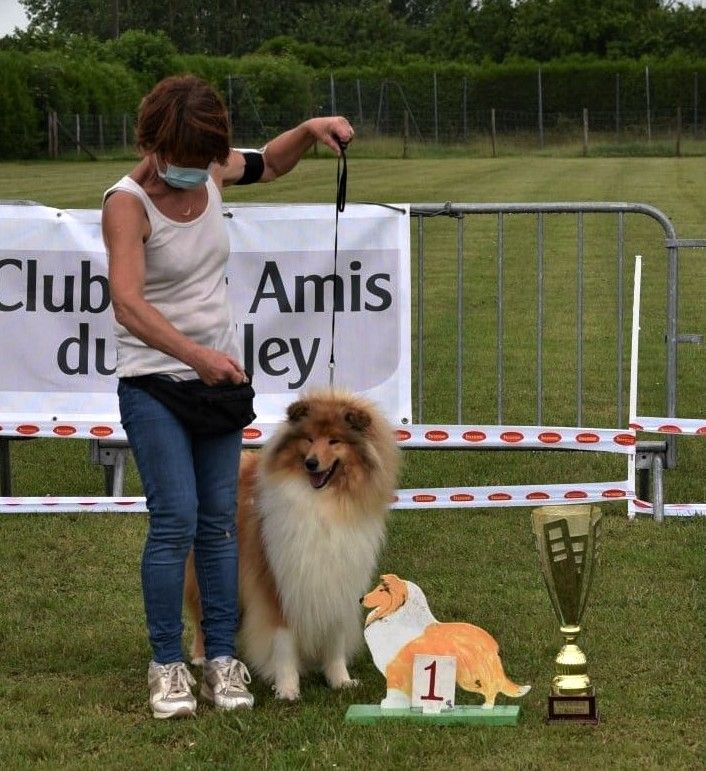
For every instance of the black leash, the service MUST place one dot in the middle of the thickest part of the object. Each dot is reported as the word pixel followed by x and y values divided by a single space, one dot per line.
pixel 341 184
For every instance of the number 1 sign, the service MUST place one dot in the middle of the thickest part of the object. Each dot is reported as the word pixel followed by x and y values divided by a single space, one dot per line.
pixel 434 682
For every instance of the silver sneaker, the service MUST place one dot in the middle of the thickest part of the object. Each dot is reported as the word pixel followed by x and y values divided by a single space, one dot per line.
pixel 170 690
pixel 225 683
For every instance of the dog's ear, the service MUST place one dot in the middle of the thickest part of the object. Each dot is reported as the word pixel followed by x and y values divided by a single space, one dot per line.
pixel 358 419
pixel 297 410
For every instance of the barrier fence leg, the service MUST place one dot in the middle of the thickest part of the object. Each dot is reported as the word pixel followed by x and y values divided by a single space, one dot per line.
pixel 119 472
pixel 658 487
pixel 5 471
pixel 113 457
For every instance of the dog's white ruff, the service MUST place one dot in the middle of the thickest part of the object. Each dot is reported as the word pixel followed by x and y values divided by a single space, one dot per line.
pixel 321 566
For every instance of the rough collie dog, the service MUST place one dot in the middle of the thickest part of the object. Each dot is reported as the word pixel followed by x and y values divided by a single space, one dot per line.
pixel 401 625
pixel 312 509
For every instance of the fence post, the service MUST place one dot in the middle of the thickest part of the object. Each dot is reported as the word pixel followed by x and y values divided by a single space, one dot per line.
pixel 465 108
pixel 55 133
pixel 78 134
pixel 678 132
pixel 230 108
pixel 492 131
pixel 540 115
pixel 378 124
pixel 101 145
pixel 696 103
pixel 333 94
pixel 617 106
pixel 125 132
pixel 436 111
pixel 360 102
pixel 647 94
pixel 405 135
pixel 585 131
pixel 50 134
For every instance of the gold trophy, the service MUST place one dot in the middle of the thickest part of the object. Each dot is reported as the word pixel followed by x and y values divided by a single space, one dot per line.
pixel 567 540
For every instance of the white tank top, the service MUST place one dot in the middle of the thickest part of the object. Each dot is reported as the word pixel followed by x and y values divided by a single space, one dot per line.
pixel 185 281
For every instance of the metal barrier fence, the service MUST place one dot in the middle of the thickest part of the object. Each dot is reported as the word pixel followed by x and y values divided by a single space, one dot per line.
pixel 538 294
pixel 627 229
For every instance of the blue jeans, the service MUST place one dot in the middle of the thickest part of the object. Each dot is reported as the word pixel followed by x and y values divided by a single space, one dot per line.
pixel 191 484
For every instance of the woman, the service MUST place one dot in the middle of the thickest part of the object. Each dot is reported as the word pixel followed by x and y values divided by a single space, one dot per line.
pixel 167 249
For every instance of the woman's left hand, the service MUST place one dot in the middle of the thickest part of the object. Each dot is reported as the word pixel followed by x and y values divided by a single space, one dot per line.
pixel 332 131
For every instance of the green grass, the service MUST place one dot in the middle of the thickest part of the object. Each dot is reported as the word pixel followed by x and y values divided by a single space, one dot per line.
pixel 72 678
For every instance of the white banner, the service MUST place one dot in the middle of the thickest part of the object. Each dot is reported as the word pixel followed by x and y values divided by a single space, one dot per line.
pixel 57 351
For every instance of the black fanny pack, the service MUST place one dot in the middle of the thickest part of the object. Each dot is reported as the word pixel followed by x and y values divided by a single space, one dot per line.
pixel 201 408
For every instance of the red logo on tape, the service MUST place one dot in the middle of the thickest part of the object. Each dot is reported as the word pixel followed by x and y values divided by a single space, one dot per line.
pixel 64 430
pixel 549 437
pixel 512 436
pixel 474 436
pixel 436 435
pixel 101 431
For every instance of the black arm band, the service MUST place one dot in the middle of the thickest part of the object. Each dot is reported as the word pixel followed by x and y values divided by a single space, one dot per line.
pixel 254 167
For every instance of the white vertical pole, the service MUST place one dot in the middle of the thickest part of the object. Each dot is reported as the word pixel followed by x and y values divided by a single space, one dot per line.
pixel 634 358
pixel 634 349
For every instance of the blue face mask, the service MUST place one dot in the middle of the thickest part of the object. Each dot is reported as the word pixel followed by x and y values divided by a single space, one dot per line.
pixel 184 178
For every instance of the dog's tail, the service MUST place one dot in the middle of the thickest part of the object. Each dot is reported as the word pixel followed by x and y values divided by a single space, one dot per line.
pixel 513 690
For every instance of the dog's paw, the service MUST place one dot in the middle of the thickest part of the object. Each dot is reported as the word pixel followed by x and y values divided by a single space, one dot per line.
pixel 286 692
pixel 197 661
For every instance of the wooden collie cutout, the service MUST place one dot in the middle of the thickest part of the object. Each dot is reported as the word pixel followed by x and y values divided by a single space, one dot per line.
pixel 400 626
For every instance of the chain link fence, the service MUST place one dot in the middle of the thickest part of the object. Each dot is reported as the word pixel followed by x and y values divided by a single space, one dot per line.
pixel 434 112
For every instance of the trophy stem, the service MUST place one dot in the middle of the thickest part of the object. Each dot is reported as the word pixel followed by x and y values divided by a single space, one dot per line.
pixel 571 677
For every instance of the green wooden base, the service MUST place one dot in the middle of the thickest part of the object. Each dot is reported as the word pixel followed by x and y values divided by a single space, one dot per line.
pixel 367 714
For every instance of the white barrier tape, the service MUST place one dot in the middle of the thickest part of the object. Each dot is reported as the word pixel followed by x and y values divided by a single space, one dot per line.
pixel 74 429
pixel 520 437
pixel 637 506
pixel 72 505
pixel 694 426
pixel 445 498
pixel 513 495
pixel 253 435
pixel 422 436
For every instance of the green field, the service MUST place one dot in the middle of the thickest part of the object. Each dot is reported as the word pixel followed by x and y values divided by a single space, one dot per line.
pixel 73 673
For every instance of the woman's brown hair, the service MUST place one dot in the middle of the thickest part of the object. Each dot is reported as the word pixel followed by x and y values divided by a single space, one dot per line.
pixel 183 118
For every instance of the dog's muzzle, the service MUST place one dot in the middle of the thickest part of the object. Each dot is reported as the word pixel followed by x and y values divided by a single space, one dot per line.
pixel 319 479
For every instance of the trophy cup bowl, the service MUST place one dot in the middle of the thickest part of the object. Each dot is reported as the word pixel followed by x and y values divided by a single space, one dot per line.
pixel 567 539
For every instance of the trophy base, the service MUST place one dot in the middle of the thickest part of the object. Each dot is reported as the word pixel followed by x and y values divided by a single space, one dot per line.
pixel 572 709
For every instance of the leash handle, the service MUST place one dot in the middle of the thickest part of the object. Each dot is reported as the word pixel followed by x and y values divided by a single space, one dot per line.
pixel 341 178
pixel 341 189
